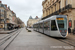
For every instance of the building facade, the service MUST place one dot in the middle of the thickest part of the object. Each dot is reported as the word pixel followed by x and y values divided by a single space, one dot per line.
pixel 8 18
pixel 31 21
pixel 3 12
pixel 20 23
pixel 60 7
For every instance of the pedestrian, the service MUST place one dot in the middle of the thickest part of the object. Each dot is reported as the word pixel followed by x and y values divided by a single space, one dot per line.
pixel 9 27
pixel 74 31
pixel 69 30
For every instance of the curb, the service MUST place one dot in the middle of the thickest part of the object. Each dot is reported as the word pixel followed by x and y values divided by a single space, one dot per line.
pixel 11 31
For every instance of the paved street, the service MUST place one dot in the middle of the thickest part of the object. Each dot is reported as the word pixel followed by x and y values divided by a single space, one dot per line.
pixel 3 35
pixel 37 41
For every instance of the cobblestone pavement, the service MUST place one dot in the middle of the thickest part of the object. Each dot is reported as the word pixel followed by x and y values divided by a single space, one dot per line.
pixel 37 41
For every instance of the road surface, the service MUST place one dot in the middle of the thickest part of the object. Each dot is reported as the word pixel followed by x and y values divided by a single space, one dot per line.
pixel 37 41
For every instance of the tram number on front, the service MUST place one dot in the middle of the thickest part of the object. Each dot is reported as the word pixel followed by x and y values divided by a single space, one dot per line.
pixel 60 18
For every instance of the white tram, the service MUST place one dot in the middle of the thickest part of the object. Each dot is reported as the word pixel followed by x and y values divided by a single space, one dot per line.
pixel 56 26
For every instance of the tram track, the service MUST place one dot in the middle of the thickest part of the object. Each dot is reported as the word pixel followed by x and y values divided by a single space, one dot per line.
pixel 13 39
pixel 67 41
pixel 7 35
pixel 4 39
pixel 5 42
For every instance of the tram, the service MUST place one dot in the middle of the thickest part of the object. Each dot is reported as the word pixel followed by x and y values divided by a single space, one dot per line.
pixel 55 26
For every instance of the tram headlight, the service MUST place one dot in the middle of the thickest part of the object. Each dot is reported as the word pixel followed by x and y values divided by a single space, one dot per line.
pixel 65 30
pixel 60 31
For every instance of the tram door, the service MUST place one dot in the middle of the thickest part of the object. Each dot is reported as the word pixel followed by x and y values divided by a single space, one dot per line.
pixel 54 30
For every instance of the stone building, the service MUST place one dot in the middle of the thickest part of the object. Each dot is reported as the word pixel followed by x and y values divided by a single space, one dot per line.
pixel 3 12
pixel 8 18
pixel 23 24
pixel 60 7
pixel 31 21
pixel 20 23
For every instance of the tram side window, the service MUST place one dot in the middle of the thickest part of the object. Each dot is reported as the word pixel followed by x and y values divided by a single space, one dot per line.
pixel 36 25
pixel 53 25
pixel 46 25
pixel 41 25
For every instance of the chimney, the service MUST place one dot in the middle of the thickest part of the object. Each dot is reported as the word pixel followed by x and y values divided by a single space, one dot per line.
pixel 36 16
pixel 6 5
pixel 12 12
pixel 0 1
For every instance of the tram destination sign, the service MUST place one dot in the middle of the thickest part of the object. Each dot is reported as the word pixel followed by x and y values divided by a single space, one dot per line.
pixel 59 18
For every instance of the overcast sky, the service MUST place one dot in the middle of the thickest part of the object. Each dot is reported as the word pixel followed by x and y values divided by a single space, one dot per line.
pixel 25 8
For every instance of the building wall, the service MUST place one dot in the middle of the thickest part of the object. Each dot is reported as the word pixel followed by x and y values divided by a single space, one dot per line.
pixel 50 6
pixel 71 16
pixel 9 16
pixel 60 7
pixel 20 22
pixel 2 17
pixel 30 22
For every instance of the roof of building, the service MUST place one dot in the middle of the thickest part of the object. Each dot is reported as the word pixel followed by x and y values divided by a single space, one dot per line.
pixel 30 17
pixel 36 17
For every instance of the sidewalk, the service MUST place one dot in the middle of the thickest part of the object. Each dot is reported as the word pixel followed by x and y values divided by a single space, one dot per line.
pixel 6 32
pixel 71 36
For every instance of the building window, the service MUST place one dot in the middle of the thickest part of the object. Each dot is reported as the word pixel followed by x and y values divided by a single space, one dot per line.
pixel 52 9
pixel 59 5
pixel 2 20
pixel 0 5
pixel 66 2
pixel 46 12
pixel 1 26
pixel 48 3
pixel 2 10
pixel 2 15
pixel 55 7
pixel 49 11
pixel 43 12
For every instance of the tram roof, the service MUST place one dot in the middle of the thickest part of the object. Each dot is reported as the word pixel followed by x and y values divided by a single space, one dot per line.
pixel 54 16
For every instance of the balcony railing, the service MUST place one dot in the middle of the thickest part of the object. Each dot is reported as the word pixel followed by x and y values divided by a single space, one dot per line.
pixel 59 11
pixel 2 22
